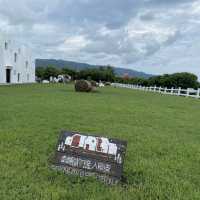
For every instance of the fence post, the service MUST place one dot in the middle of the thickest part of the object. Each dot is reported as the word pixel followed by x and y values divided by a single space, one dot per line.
pixel 172 91
pixel 188 92
pixel 179 91
pixel 155 88
pixel 165 90
pixel 160 89
pixel 198 92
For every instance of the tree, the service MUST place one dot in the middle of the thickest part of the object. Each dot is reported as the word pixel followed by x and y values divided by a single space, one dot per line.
pixel 51 71
pixel 185 80
pixel 40 72
pixel 67 71
pixel 97 74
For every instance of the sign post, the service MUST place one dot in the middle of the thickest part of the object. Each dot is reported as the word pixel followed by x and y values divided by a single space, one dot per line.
pixel 86 155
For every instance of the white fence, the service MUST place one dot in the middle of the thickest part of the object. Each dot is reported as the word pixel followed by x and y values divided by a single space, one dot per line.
pixel 190 92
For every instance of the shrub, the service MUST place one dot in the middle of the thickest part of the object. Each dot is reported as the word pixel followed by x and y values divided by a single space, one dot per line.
pixel 83 86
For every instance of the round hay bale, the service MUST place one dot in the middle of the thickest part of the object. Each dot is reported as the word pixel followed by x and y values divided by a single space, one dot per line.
pixel 83 86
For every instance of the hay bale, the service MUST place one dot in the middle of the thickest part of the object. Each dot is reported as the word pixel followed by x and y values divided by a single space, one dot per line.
pixel 83 86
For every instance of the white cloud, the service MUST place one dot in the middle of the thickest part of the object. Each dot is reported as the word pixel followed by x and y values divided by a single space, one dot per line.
pixel 156 36
pixel 73 44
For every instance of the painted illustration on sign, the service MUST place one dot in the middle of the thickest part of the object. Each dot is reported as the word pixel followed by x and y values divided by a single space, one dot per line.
pixel 92 145
pixel 94 154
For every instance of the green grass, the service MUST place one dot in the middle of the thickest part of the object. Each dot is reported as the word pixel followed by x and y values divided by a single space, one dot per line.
pixel 163 134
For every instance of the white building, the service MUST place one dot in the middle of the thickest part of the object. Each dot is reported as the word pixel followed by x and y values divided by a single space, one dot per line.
pixel 16 64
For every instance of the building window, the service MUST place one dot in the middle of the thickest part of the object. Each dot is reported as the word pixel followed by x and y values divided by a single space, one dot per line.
pixel 6 45
pixel 15 55
pixel 26 64
pixel 27 77
pixel 18 77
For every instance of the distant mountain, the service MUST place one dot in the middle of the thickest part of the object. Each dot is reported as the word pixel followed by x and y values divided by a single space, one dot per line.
pixel 131 73
pixel 80 66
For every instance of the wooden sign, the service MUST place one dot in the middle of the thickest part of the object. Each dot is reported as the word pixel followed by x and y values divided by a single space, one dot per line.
pixel 87 155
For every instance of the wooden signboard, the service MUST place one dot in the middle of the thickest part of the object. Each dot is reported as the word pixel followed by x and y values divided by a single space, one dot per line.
pixel 87 155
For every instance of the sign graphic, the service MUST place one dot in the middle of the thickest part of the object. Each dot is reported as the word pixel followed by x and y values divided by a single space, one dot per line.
pixel 87 155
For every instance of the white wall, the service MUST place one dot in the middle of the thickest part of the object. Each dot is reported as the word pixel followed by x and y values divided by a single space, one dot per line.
pixel 7 60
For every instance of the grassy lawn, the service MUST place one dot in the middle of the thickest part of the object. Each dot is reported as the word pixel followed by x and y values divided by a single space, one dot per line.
pixel 163 134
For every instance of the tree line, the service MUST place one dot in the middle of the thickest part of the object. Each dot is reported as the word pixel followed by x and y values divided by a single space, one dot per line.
pixel 97 74
pixel 184 80
pixel 106 73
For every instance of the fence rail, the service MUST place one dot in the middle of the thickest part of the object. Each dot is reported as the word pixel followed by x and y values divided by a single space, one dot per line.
pixel 190 92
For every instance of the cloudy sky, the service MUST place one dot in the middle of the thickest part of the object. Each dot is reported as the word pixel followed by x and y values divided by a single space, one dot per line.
pixel 155 36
